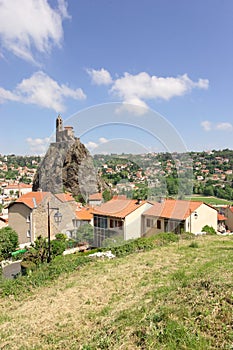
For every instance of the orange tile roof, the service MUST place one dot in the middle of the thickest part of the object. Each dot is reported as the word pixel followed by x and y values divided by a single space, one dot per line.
pixel 18 186
pixel 65 197
pixel 84 214
pixel 118 208
pixel 221 217
pixel 32 198
pixel 173 209
pixel 95 196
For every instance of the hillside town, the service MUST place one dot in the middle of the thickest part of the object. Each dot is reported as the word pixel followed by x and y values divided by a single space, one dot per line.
pixel 145 194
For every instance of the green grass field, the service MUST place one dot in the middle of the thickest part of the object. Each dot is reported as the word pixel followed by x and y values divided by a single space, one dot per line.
pixel 178 296
pixel 212 200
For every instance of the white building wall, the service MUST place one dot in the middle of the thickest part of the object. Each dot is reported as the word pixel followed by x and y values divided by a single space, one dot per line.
pixel 16 191
pixel 133 222
pixel 205 216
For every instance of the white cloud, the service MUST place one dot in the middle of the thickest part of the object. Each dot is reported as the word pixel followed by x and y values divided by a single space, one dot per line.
pixel 43 91
pixel 93 145
pixel 29 26
pixel 103 140
pixel 221 126
pixel 38 145
pixel 224 126
pixel 207 126
pixel 142 87
pixel 100 77
pixel 135 90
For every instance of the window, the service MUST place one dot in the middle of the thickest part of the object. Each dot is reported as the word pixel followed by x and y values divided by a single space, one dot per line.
pixel 28 234
pixel 100 221
pixel 28 218
pixel 116 223
pixel 149 222
pixel 159 224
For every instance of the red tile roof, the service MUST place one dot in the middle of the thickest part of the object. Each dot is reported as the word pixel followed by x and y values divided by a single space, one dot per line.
pixel 95 196
pixel 119 208
pixel 65 197
pixel 221 217
pixel 32 199
pixel 173 209
pixel 84 214
pixel 18 186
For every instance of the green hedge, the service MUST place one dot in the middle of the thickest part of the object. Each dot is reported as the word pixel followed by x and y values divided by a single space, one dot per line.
pixel 45 273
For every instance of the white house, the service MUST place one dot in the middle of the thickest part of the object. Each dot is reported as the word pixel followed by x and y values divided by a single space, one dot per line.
pixel 17 190
pixel 95 199
pixel 178 215
pixel 118 218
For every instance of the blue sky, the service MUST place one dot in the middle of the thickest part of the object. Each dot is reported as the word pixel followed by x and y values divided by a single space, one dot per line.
pixel 173 58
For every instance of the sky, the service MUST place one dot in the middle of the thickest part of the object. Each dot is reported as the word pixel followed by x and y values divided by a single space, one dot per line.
pixel 129 75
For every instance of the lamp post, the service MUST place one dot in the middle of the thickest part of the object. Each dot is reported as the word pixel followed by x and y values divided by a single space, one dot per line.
pixel 57 219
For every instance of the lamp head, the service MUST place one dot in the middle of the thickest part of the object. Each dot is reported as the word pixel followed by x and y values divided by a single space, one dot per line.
pixel 58 217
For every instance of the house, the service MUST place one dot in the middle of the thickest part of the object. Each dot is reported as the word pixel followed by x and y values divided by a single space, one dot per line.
pixel 17 190
pixel 28 215
pixel 229 218
pixel 172 215
pixel 95 199
pixel 118 218
pixel 221 223
pixel 84 216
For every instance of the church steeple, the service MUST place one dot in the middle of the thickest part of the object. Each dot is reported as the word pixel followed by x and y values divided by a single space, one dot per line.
pixel 59 128
pixel 63 134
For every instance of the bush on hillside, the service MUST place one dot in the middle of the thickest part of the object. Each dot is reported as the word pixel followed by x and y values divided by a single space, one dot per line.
pixel 209 229
pixel 8 242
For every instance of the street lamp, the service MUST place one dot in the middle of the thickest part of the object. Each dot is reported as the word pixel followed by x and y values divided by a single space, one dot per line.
pixel 57 219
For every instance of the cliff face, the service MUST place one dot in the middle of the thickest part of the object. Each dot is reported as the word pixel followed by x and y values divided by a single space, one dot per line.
pixel 68 165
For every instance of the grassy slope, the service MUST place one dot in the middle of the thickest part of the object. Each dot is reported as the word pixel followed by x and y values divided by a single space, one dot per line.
pixel 174 297
pixel 212 200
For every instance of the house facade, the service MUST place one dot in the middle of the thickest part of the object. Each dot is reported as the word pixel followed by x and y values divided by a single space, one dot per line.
pixel 83 216
pixel 16 190
pixel 118 219
pixel 229 218
pixel 28 215
pixel 178 216
pixel 95 199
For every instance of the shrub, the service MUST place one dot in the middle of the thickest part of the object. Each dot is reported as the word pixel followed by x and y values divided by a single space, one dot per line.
pixel 193 245
pixel 208 229
pixel 57 247
pixel 143 244
pixel 61 237
pixel 85 233
pixel 8 242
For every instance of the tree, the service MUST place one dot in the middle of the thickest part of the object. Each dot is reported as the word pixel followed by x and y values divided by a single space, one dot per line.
pixel 208 190
pixel 58 245
pixel 8 242
pixel 85 233
pixel 106 195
